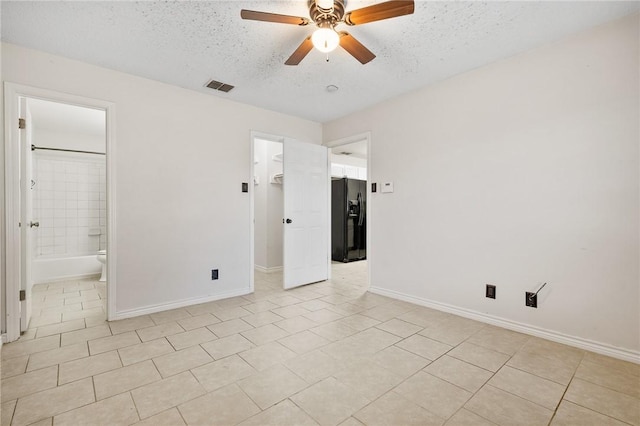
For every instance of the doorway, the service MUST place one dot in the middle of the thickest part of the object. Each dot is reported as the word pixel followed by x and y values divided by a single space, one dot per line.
pixel 59 220
pixel 289 211
pixel 268 195
pixel 351 209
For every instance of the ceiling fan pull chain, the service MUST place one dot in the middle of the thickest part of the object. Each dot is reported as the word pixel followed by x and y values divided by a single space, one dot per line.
pixel 327 57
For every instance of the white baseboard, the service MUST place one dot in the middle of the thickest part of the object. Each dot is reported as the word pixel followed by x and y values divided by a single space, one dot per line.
pixel 268 270
pixel 152 309
pixel 590 345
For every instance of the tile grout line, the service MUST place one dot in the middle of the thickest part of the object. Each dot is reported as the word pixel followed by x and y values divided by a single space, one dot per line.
pixel 133 400
pixel 603 386
pixel 567 388
pixel 13 413
pixel 518 396
pixel 63 412
pixel 595 384
pixel 181 416
pixel 536 375
pixel 473 393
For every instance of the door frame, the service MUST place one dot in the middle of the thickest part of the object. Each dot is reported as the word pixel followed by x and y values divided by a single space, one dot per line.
pixel 12 93
pixel 280 139
pixel 26 214
pixel 366 136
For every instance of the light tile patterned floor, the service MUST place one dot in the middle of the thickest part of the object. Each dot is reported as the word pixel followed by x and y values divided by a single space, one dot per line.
pixel 328 353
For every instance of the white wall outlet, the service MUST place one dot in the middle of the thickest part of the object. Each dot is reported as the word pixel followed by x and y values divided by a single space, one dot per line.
pixel 387 187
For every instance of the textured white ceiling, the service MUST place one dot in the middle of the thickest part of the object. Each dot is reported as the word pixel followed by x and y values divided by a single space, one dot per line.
pixel 355 149
pixel 187 43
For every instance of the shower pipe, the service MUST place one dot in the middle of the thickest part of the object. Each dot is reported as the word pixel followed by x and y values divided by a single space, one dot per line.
pixel 33 148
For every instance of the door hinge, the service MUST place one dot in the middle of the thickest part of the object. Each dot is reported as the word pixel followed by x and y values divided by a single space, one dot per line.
pixel 23 295
pixel 22 124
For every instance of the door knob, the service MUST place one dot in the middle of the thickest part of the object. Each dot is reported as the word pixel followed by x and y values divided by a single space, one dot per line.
pixel 289 220
pixel 34 224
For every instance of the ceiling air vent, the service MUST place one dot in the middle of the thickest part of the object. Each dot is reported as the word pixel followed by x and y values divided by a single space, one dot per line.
pixel 216 85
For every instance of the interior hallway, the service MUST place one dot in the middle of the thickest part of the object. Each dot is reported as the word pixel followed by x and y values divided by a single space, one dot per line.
pixel 328 353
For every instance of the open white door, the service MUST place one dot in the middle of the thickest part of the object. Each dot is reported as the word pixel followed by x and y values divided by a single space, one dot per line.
pixel 306 205
pixel 26 217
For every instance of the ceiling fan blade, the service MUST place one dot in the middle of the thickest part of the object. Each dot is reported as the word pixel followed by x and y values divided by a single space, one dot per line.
pixel 355 48
pixel 273 17
pixel 377 12
pixel 302 51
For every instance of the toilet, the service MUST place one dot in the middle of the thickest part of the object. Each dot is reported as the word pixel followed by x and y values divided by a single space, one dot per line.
pixel 102 258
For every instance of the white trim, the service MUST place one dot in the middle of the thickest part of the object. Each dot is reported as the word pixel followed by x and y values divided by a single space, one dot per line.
pixel 12 211
pixel 350 139
pixel 110 111
pixel 12 92
pixel 590 345
pixel 3 339
pixel 252 211
pixel 329 211
pixel 268 270
pixel 151 309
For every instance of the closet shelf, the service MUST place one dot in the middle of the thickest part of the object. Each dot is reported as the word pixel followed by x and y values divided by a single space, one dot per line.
pixel 278 178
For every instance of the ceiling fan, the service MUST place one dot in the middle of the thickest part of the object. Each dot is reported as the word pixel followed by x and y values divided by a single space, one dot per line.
pixel 327 14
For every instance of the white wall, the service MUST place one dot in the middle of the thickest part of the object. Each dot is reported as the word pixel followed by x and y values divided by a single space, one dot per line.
pixel 275 209
pixel 181 157
pixel 521 172
pixel 50 138
pixel 269 207
pixel 348 160
pixel 260 203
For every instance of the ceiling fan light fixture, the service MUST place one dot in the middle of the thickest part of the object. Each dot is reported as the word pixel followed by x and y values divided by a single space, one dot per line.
pixel 325 5
pixel 325 39
pixel 327 14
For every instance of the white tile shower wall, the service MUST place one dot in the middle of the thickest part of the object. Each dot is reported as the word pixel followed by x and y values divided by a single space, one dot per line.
pixel 70 204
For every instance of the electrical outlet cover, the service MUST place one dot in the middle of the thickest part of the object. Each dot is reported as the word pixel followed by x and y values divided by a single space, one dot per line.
pixel 490 291
pixel 531 299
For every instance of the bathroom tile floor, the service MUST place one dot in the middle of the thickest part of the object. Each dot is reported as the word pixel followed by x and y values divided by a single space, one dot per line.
pixel 329 353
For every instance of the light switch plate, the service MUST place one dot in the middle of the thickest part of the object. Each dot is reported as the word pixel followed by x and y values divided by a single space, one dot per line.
pixel 387 187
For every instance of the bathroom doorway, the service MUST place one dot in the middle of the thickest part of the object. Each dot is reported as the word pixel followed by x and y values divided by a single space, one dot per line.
pixel 57 192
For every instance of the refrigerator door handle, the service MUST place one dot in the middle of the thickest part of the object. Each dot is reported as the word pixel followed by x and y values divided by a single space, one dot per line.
pixel 360 210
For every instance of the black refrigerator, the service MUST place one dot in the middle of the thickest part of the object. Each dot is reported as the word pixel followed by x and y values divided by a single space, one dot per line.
pixel 348 219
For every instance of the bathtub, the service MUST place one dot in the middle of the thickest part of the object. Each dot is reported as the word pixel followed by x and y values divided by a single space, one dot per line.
pixel 64 268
